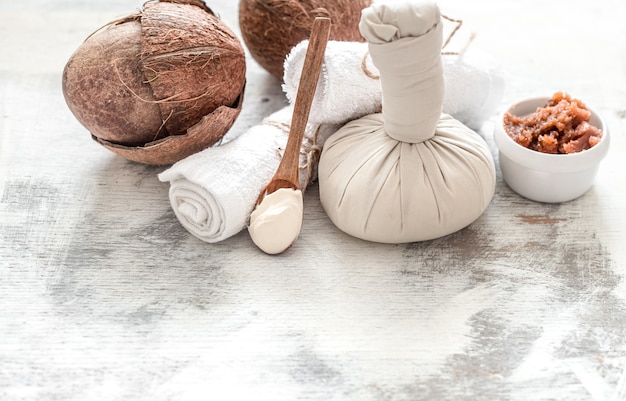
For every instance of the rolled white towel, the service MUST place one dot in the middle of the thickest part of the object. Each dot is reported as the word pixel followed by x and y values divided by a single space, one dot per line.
pixel 349 87
pixel 214 191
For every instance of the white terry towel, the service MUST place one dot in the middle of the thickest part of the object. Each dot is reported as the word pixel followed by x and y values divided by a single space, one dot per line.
pixel 349 87
pixel 214 191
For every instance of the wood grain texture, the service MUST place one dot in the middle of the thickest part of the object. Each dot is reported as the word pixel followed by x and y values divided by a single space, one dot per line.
pixel 105 296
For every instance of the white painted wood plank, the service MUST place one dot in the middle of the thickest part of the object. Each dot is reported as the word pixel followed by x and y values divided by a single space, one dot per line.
pixel 106 297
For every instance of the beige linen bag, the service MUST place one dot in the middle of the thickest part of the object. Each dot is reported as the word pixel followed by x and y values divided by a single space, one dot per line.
pixel 409 173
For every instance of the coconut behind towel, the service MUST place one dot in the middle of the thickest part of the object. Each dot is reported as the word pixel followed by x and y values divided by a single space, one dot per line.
pixel 349 87
pixel 214 191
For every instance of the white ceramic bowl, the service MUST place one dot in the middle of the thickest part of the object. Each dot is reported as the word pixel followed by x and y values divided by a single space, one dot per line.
pixel 542 177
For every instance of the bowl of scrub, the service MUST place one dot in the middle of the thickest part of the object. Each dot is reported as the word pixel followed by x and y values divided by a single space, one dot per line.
pixel 550 149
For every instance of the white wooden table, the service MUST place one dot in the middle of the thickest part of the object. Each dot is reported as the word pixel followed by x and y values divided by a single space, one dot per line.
pixel 105 296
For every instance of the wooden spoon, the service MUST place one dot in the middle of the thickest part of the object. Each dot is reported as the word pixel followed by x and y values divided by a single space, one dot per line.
pixel 286 176
pixel 276 221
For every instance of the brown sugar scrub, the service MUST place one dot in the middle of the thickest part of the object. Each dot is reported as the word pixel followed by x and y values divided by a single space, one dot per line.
pixel 560 127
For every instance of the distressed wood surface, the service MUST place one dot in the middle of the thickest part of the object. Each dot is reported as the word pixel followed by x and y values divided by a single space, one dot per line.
pixel 105 296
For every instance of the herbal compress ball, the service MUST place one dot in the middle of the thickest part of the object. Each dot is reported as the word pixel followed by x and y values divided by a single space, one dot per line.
pixel 159 85
pixel 409 173
pixel 270 28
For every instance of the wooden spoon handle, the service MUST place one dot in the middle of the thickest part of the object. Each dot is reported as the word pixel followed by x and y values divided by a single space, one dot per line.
pixel 289 165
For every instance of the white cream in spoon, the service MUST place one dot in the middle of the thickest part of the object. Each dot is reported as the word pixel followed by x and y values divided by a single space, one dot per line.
pixel 275 223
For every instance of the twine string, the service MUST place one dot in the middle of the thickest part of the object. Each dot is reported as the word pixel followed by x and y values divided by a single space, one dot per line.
pixel 310 149
pixel 458 23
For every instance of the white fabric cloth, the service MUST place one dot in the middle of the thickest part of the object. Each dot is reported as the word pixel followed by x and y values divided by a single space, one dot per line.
pixel 474 87
pixel 404 188
pixel 214 191
pixel 348 87
pixel 379 189
pixel 405 42
pixel 344 91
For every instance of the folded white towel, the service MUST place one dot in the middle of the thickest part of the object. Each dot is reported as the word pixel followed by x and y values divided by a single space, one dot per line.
pixel 344 91
pixel 474 87
pixel 214 191
pixel 349 88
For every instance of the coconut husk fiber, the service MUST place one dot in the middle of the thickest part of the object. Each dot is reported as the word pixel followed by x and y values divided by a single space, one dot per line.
pixel 271 28
pixel 155 77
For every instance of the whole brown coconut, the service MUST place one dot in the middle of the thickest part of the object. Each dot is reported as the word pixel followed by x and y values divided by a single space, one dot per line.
pixel 271 28
pixel 159 85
